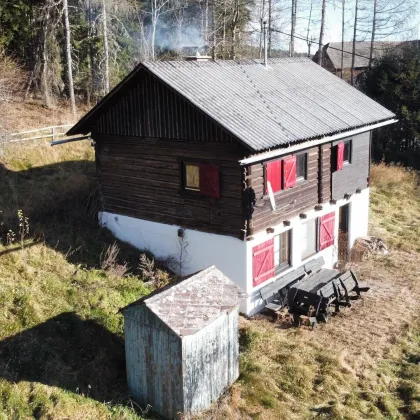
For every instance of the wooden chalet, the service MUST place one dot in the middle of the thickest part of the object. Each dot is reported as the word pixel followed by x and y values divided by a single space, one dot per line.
pixel 333 62
pixel 253 168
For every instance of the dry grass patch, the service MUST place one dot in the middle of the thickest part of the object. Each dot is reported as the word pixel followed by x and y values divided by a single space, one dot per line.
pixel 395 205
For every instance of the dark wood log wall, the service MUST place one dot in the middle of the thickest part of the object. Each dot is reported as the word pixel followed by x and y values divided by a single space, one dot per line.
pixel 290 202
pixel 147 107
pixel 355 174
pixel 141 177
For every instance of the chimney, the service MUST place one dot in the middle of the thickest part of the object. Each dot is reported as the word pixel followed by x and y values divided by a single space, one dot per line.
pixel 265 42
pixel 197 56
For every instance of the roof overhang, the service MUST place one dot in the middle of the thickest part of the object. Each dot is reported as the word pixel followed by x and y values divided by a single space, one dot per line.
pixel 315 142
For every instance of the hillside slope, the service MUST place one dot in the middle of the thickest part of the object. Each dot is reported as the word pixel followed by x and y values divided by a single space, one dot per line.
pixel 61 339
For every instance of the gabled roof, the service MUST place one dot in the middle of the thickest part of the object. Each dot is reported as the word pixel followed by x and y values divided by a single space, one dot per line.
pixel 381 48
pixel 189 305
pixel 290 100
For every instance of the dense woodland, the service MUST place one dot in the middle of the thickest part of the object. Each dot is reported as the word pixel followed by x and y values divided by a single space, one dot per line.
pixel 77 50
pixel 81 48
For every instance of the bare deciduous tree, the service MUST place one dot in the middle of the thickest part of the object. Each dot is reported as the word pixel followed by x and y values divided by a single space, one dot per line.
pixel 353 55
pixel 69 60
pixel 321 33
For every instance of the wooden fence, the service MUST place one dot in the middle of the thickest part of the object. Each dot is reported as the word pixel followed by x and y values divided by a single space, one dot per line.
pixel 55 135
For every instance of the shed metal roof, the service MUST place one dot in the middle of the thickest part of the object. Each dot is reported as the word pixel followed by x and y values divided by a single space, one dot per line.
pixel 290 100
pixel 189 305
pixel 362 49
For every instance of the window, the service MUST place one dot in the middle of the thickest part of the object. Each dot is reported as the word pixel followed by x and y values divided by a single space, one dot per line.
pixel 347 152
pixel 283 174
pixel 309 238
pixel 301 166
pixel 282 251
pixel 201 177
pixel 342 154
pixel 192 176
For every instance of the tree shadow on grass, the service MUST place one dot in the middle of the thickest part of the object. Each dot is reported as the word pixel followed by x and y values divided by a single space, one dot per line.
pixel 70 353
pixel 61 201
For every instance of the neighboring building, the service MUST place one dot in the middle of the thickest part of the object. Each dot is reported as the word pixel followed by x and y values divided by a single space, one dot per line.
pixel 331 56
pixel 187 152
pixel 181 344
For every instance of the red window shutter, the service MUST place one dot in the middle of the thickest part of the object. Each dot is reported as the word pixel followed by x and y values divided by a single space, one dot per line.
pixel 340 156
pixel 289 172
pixel 209 180
pixel 273 175
pixel 262 262
pixel 326 231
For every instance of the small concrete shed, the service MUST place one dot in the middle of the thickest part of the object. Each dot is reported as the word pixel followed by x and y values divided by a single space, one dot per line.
pixel 181 343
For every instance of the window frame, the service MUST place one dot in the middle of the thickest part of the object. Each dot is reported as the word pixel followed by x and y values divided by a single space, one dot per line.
pixel 300 179
pixel 286 264
pixel 316 239
pixel 348 147
pixel 184 164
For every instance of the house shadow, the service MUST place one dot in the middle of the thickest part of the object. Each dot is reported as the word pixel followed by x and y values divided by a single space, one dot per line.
pixel 68 352
pixel 61 201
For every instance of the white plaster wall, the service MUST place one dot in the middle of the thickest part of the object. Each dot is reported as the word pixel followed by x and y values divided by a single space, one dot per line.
pixel 358 223
pixel 231 255
pixel 358 216
pixel 203 250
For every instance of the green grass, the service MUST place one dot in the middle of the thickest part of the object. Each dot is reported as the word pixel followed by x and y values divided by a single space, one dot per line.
pixel 61 336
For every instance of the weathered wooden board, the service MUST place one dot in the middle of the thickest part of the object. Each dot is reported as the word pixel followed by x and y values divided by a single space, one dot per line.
pixel 355 174
pixel 210 362
pixel 154 371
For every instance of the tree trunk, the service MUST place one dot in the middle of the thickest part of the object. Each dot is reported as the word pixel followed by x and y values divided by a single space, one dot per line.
pixel 321 34
pixel 68 56
pixel 206 35
pixel 309 41
pixel 91 89
pixel 106 47
pixel 261 28
pixel 224 31
pixel 353 56
pixel 154 24
pixel 214 36
pixel 269 27
pixel 44 82
pixel 342 36
pixel 372 40
pixel 293 28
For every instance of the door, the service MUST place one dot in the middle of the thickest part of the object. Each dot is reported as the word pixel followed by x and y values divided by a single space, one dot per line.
pixel 343 236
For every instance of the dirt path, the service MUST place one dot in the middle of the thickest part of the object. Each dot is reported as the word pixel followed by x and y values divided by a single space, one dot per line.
pixel 362 334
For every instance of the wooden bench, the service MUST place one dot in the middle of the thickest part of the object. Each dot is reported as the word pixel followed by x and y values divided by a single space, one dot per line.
pixel 344 284
pixel 314 265
pixel 275 295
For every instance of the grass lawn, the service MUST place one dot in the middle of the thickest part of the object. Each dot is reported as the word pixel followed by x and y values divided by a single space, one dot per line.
pixel 61 337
